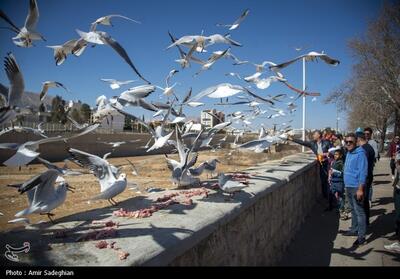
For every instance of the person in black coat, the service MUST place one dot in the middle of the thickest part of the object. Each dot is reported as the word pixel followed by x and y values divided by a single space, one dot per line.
pixel 370 153
pixel 320 148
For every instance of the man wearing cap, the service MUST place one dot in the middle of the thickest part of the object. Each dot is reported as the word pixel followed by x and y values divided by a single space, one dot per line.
pixel 355 176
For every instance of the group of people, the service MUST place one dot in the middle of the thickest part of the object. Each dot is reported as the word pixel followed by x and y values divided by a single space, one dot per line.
pixel 346 172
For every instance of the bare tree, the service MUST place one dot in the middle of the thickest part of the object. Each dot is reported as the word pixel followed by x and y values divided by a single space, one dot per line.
pixel 372 95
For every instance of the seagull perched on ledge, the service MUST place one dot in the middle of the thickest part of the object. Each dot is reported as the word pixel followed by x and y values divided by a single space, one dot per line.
pixel 42 194
pixel 110 185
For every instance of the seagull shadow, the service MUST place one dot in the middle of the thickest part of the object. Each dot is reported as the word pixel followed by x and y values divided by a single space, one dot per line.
pixel 350 252
pixel 383 201
pixel 396 256
pixel 381 174
pixel 380 182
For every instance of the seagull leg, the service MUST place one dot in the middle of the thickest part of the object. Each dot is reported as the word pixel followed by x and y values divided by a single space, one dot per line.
pixel 49 216
pixel 115 203
pixel 109 200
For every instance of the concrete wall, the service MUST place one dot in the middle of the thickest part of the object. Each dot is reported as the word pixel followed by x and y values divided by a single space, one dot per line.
pixel 260 233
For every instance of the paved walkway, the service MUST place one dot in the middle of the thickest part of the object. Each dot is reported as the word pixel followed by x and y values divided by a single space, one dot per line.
pixel 318 242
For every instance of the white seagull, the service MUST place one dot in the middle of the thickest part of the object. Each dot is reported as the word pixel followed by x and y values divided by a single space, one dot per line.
pixel 311 56
pixel 110 185
pixel 50 84
pixel 116 84
pixel 106 20
pixel 27 152
pixel 15 91
pixel 237 22
pixel 226 184
pixel 101 38
pixel 43 196
pixel 27 33
pixel 61 51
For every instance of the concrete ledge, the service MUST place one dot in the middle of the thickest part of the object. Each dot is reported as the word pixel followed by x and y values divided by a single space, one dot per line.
pixel 253 229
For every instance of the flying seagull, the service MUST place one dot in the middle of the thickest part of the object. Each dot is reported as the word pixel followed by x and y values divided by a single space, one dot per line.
pixel 27 33
pixel 75 46
pixel 50 84
pixel 116 84
pixel 106 20
pixel 99 37
pixel 311 56
pixel 237 22
pixel 15 91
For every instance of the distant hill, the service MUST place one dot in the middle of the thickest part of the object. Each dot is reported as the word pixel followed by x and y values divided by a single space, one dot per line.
pixel 29 98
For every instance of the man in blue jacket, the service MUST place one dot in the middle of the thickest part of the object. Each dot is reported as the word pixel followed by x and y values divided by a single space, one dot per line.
pixel 355 176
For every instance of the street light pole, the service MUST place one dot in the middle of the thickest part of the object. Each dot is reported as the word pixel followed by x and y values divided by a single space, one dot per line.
pixel 304 102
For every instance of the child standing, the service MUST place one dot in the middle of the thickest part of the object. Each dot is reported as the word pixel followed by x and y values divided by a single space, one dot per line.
pixel 336 181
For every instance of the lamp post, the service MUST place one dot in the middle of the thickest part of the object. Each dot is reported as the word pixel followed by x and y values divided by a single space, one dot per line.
pixel 309 56
pixel 304 103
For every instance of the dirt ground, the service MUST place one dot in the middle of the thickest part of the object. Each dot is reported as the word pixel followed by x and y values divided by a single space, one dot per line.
pixel 87 185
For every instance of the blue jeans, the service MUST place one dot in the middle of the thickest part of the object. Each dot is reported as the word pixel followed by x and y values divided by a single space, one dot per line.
pixel 358 218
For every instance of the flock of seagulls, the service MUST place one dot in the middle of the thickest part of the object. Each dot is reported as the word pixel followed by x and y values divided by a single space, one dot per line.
pixel 48 190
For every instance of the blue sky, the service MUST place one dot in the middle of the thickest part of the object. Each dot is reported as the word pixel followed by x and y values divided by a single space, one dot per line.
pixel 271 32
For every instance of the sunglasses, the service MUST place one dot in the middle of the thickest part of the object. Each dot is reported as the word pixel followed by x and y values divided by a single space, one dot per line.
pixel 367 133
pixel 349 142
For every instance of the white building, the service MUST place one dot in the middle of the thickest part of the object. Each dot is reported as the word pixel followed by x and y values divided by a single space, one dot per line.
pixel 208 120
pixel 115 123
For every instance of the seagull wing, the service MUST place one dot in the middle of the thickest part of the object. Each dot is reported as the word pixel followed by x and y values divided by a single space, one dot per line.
pixel 45 190
pixel 38 180
pixel 50 165
pixel 329 60
pixel 121 51
pixel 187 97
pixel 124 17
pixel 33 15
pixel 8 20
pixel 16 79
pixel 100 167
pixel 242 17
pixel 258 97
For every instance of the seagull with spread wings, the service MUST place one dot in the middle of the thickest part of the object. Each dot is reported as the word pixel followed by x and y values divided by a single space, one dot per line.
pixel 116 84
pixel 27 33
pixel 237 22
pixel 106 20
pixel 101 38
pixel 50 84
pixel 311 56
pixel 110 184
pixel 15 92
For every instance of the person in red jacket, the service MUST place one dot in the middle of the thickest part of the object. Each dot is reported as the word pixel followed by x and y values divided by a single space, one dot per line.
pixel 394 148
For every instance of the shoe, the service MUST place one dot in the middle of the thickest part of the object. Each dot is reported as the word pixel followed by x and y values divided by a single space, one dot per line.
pixel 359 242
pixel 350 233
pixel 394 247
